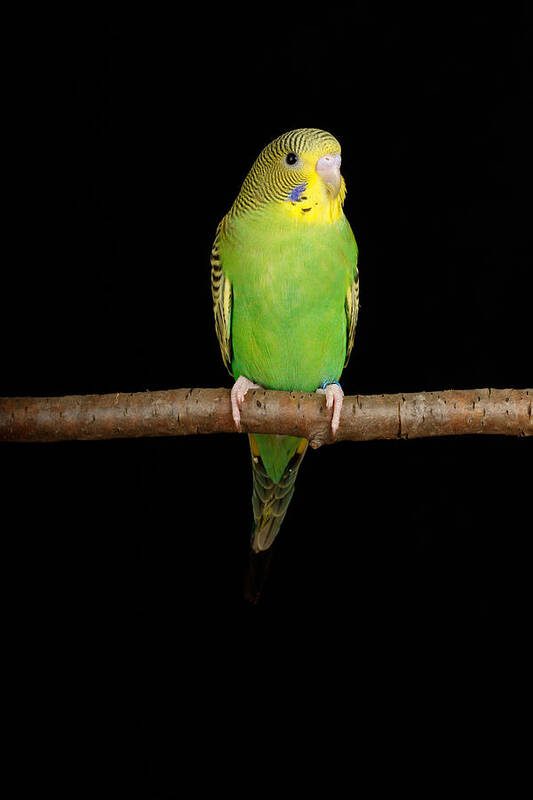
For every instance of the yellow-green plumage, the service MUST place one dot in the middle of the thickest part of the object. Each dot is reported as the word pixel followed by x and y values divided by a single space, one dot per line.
pixel 285 292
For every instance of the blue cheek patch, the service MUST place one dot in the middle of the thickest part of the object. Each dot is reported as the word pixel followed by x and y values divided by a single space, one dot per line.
pixel 296 194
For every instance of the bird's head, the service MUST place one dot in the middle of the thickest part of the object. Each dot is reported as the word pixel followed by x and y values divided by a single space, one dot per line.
pixel 299 173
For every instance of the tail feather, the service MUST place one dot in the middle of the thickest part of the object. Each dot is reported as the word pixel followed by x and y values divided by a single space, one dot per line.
pixel 270 499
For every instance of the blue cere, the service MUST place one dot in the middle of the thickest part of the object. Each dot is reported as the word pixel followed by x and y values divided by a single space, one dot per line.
pixel 296 194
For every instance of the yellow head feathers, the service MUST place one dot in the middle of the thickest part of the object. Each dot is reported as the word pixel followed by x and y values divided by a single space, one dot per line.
pixel 298 174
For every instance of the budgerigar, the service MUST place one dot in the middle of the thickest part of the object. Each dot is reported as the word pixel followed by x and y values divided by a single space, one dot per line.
pixel 285 290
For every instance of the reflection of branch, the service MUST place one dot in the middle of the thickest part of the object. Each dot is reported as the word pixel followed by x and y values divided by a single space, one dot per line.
pixel 180 412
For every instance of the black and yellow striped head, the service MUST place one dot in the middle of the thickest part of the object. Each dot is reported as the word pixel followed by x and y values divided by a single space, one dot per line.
pixel 299 172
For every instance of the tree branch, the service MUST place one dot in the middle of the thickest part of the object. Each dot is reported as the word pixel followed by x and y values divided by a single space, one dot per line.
pixel 182 412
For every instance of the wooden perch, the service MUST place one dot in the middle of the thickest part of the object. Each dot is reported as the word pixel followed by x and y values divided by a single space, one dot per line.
pixel 181 412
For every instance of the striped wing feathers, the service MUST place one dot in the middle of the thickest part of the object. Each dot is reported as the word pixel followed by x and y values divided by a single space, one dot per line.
pixel 352 310
pixel 222 303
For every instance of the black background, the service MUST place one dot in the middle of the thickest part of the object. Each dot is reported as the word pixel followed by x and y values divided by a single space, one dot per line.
pixel 128 140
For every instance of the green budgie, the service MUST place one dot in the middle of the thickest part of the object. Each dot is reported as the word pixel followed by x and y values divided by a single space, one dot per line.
pixel 285 291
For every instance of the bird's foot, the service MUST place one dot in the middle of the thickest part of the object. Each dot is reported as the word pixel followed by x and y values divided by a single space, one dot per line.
pixel 334 399
pixel 238 393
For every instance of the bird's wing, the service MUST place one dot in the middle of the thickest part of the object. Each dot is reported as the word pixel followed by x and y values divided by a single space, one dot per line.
pixel 351 307
pixel 222 304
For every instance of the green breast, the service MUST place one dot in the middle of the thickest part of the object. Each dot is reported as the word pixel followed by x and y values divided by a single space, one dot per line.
pixel 289 284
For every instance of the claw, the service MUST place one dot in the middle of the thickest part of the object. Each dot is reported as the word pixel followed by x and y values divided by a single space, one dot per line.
pixel 238 392
pixel 334 400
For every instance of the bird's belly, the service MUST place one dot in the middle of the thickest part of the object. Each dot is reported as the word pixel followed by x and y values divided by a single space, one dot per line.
pixel 288 339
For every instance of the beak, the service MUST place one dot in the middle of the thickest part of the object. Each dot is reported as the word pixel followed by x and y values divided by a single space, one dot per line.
pixel 329 169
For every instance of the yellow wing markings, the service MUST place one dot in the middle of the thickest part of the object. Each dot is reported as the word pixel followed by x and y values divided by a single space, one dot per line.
pixel 222 305
pixel 352 310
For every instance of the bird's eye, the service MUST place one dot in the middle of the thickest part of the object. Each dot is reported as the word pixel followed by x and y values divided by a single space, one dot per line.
pixel 291 158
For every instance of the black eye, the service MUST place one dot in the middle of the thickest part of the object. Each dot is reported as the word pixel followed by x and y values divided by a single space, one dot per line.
pixel 291 158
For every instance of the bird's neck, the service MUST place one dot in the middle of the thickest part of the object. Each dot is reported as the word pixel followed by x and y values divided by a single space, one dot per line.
pixel 311 203
pixel 315 204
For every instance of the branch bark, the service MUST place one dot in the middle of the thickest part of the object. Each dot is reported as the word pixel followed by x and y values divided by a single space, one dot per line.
pixel 182 412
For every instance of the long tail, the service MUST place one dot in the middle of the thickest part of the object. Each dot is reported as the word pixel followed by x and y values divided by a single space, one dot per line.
pixel 270 499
